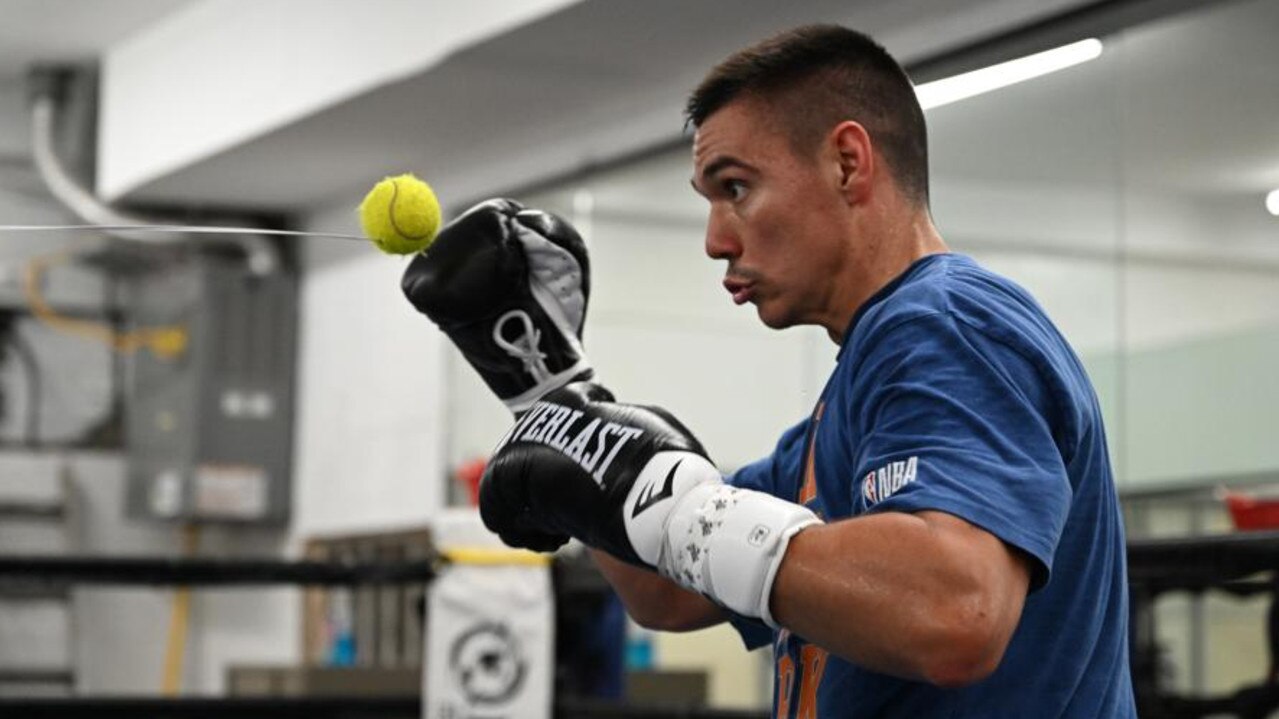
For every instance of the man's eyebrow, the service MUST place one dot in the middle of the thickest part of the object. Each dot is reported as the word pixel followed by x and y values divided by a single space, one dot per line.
pixel 716 166
pixel 723 163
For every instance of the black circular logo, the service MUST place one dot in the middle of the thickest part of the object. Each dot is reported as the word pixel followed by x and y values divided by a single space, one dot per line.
pixel 487 663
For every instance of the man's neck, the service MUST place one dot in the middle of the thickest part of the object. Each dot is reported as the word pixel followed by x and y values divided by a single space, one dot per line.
pixel 893 249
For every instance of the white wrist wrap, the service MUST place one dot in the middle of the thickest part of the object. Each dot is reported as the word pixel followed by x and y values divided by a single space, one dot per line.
pixel 724 542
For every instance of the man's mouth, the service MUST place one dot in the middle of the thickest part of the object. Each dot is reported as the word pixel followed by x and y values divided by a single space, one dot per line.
pixel 741 290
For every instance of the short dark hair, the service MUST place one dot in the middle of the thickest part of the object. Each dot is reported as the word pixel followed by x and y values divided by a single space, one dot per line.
pixel 818 76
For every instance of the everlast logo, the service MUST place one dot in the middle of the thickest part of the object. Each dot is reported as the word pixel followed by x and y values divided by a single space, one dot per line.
pixel 592 444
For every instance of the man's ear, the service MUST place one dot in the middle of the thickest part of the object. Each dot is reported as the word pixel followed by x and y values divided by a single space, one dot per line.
pixel 854 153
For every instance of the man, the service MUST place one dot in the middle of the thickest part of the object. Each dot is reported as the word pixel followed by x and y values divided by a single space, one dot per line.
pixel 941 537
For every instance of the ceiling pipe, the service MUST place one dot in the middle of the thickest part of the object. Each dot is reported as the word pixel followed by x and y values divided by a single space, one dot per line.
pixel 261 256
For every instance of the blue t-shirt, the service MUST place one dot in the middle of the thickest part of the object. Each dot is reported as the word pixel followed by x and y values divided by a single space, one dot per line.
pixel 954 392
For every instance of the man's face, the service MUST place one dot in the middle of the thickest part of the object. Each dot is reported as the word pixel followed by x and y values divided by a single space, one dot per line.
pixel 775 216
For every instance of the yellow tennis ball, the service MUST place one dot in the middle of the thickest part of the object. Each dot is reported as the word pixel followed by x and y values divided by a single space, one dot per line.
pixel 400 215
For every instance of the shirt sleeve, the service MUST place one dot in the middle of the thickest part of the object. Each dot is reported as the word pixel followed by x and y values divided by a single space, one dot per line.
pixel 779 470
pixel 772 475
pixel 954 421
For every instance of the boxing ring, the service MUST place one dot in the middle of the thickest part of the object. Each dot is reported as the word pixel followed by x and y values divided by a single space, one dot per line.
pixel 1237 565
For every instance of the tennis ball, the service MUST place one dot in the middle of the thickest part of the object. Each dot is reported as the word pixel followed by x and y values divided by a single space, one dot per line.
pixel 400 215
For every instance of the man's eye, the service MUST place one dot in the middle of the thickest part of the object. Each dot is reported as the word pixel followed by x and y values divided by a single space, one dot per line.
pixel 735 189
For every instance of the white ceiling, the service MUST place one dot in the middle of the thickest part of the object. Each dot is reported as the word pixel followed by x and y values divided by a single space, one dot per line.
pixel 582 86
pixel 1187 105
pixel 609 77
pixel 67 31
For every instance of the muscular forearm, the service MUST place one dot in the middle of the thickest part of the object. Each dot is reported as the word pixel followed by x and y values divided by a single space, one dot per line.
pixel 923 596
pixel 654 601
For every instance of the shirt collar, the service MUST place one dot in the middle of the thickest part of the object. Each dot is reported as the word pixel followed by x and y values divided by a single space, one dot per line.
pixel 883 292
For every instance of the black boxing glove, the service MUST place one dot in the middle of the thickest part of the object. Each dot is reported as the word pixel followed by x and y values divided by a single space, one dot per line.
pixel 509 286
pixel 634 482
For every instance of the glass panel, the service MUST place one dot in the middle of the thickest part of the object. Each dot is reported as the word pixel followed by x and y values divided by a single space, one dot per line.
pixel 1199 97
pixel 1025 180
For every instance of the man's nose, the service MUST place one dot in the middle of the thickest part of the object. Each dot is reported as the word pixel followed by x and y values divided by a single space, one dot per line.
pixel 721 241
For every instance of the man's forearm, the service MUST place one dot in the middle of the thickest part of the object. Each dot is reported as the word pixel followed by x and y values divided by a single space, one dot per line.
pixel 924 596
pixel 654 601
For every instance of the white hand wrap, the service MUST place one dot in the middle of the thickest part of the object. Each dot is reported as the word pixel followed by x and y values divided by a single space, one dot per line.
pixel 724 542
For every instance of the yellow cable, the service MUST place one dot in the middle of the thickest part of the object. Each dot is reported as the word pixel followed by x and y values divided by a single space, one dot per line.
pixel 165 342
pixel 483 556
pixel 179 620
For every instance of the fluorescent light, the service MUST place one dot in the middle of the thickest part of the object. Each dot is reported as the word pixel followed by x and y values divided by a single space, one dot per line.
pixel 952 89
pixel 1272 202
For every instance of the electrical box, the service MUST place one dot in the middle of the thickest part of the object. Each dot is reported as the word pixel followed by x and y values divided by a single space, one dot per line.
pixel 210 429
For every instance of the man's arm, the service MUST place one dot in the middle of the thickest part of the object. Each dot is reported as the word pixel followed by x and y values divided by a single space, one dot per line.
pixel 927 596
pixel 933 598
pixel 924 595
pixel 656 602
